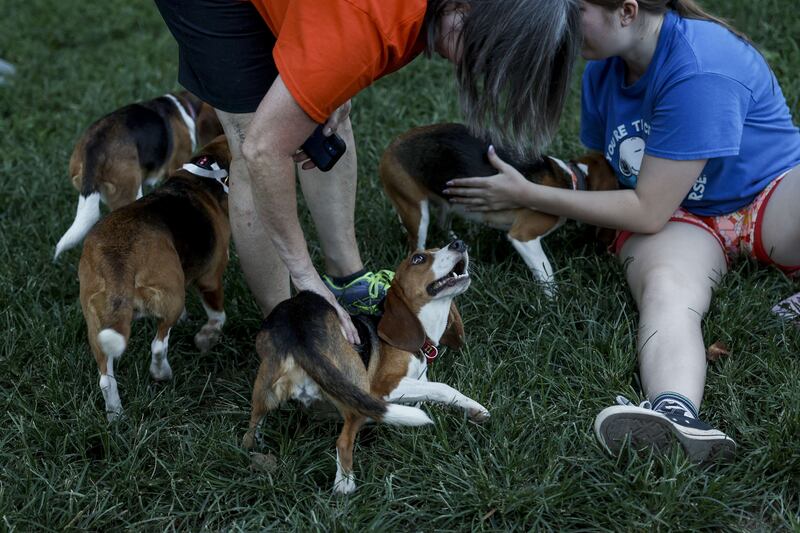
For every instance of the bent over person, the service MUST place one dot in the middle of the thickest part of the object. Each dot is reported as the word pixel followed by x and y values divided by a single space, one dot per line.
pixel 275 69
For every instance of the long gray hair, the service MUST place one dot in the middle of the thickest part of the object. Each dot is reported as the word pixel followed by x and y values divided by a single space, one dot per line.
pixel 516 63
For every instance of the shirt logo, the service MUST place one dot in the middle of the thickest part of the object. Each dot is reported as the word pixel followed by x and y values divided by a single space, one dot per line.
pixel 631 153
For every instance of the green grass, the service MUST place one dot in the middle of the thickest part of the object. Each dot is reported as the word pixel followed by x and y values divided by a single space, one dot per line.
pixel 544 369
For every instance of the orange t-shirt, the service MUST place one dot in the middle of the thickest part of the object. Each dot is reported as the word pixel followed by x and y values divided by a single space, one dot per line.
pixel 328 50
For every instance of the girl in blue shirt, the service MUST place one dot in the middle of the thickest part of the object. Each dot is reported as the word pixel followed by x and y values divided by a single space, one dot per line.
pixel 691 118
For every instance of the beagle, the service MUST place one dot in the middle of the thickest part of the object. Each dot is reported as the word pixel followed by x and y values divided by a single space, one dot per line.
pixel 139 259
pixel 417 165
pixel 136 144
pixel 305 356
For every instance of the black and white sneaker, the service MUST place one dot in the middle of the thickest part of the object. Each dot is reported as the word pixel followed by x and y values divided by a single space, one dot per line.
pixel 645 428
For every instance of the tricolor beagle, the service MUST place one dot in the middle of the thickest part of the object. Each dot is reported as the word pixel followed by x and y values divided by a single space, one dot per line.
pixel 417 165
pixel 142 142
pixel 139 260
pixel 305 356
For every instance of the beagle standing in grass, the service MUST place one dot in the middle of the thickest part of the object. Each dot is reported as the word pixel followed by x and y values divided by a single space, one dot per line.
pixel 417 165
pixel 306 357
pixel 136 144
pixel 140 258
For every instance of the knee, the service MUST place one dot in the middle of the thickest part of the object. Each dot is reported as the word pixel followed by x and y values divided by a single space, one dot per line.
pixel 254 151
pixel 666 288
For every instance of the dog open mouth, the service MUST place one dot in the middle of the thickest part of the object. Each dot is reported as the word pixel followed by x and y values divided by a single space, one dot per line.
pixel 455 277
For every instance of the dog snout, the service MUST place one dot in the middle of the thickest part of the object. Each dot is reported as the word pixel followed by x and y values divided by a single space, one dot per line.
pixel 458 246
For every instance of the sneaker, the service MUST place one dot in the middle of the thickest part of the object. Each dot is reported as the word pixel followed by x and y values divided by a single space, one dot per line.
pixel 364 294
pixel 789 309
pixel 647 428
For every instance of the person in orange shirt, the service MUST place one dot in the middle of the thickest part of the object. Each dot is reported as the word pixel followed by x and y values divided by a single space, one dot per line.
pixel 276 69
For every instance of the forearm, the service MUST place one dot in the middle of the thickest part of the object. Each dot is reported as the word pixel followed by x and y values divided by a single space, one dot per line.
pixel 620 209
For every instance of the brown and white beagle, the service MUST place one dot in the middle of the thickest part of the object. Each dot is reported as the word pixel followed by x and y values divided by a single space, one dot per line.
pixel 136 144
pixel 417 165
pixel 305 356
pixel 138 261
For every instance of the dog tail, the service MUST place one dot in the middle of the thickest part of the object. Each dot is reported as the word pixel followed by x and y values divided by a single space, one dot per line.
pixel 298 328
pixel 87 215
pixel 85 163
pixel 111 342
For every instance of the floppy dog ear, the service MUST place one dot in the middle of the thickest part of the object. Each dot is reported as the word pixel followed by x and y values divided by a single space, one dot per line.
pixel 600 176
pixel 208 125
pixel 399 327
pixel 453 336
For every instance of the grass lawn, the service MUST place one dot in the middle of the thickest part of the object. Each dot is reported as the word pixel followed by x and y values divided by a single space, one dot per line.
pixel 544 369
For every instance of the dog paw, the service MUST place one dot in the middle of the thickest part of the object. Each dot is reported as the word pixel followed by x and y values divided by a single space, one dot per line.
pixel 344 484
pixel 479 414
pixel 114 415
pixel 207 338
pixel 261 462
pixel 550 289
pixel 161 372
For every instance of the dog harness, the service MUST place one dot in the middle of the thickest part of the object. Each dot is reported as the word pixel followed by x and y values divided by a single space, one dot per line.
pixel 188 120
pixel 205 167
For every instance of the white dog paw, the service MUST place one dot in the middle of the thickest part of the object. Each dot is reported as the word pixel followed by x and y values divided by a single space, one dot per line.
pixel 479 414
pixel 114 414
pixel 207 338
pixel 161 372
pixel 344 484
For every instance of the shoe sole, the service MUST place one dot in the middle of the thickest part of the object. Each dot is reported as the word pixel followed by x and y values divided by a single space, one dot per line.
pixel 648 429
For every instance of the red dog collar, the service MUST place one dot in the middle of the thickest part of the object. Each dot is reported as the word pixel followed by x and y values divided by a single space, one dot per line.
pixel 429 351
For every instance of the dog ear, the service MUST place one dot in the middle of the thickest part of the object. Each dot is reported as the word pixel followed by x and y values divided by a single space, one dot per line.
pixel 208 125
pixel 453 336
pixel 600 176
pixel 399 326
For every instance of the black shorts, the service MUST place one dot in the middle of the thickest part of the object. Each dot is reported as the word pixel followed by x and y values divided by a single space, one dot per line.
pixel 224 51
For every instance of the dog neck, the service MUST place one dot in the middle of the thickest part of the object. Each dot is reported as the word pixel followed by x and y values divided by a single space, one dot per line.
pixel 575 172
pixel 433 317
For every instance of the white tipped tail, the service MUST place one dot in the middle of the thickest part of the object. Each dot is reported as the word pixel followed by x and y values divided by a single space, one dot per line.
pixel 87 215
pixel 111 342
pixel 402 415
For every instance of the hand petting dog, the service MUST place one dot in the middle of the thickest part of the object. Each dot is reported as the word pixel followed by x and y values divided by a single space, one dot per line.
pixel 508 189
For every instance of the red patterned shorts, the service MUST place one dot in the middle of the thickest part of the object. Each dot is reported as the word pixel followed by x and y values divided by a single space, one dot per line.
pixel 738 233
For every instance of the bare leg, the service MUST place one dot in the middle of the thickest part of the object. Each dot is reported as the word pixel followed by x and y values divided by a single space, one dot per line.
pixel 331 198
pixel 264 271
pixel 671 276
pixel 780 230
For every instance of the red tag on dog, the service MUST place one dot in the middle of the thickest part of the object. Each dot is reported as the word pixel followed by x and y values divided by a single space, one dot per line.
pixel 430 351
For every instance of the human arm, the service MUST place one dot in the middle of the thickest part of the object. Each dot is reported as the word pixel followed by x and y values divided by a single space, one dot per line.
pixel 662 186
pixel 277 130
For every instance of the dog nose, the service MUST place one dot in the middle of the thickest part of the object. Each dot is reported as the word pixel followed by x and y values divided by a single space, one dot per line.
pixel 458 246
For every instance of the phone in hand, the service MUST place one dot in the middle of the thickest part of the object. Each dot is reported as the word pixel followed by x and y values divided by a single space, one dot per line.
pixel 324 151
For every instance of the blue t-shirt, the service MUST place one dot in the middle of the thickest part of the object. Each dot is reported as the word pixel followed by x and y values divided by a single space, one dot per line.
pixel 705 95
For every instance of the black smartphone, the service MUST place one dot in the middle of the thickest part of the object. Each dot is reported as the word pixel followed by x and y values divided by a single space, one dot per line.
pixel 324 151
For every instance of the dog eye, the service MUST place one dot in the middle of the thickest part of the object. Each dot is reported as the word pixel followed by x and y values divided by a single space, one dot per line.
pixel 417 259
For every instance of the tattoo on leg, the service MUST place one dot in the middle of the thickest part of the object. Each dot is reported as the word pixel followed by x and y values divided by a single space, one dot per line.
pixel 239 132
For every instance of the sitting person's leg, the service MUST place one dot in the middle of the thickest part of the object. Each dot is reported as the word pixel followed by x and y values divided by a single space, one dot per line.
pixel 780 235
pixel 331 198
pixel 671 276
